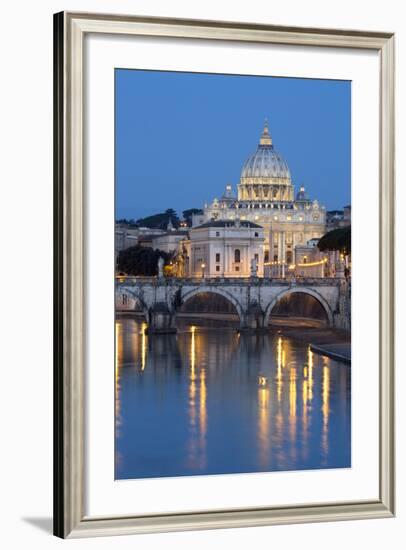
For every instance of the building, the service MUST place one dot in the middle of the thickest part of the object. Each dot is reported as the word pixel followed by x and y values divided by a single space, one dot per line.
pixel 335 219
pixel 131 235
pixel 125 236
pixel 310 261
pixel 170 240
pixel 266 197
pixel 266 229
pixel 347 215
pixel 225 248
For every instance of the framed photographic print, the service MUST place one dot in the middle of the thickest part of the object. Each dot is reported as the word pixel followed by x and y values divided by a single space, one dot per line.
pixel 224 287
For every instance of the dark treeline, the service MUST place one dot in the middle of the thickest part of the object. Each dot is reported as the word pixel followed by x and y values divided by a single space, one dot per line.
pixel 337 239
pixel 161 220
pixel 187 215
pixel 140 260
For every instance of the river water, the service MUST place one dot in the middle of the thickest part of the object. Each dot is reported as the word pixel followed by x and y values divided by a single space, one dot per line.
pixel 210 401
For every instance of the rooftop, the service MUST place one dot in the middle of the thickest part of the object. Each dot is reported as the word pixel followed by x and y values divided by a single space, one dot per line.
pixel 174 232
pixel 228 223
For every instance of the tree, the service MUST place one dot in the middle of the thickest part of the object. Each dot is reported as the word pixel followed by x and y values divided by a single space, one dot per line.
pixel 131 223
pixel 161 220
pixel 140 260
pixel 337 239
pixel 172 215
pixel 187 214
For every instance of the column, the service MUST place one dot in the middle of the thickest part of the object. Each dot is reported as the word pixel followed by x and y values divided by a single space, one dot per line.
pixel 246 260
pixel 331 263
pixel 283 253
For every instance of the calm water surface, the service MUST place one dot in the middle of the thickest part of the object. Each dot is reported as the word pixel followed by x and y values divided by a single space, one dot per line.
pixel 210 401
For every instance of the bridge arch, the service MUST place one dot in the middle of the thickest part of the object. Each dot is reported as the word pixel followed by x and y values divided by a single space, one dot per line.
pixel 214 290
pixel 297 290
pixel 120 292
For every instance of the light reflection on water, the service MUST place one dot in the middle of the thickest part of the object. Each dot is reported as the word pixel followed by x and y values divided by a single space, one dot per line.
pixel 210 401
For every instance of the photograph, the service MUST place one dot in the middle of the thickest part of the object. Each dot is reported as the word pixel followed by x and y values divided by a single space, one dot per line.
pixel 232 271
pixel 211 298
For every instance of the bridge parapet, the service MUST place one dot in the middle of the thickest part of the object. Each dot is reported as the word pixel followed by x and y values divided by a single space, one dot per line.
pixel 253 298
pixel 228 281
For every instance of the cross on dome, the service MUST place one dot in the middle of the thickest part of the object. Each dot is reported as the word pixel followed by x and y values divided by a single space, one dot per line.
pixel 266 136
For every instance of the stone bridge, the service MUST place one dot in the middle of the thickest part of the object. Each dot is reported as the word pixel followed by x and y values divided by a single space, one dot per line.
pixel 253 298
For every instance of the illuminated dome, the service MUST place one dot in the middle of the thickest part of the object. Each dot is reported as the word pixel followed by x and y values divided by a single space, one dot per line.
pixel 266 165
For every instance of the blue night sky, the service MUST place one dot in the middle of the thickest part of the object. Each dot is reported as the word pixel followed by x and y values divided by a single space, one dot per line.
pixel 181 137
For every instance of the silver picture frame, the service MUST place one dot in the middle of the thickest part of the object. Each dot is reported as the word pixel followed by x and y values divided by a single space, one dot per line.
pixel 70 519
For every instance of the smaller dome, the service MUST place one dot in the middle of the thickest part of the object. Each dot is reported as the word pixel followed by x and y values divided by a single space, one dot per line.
pixel 228 196
pixel 301 195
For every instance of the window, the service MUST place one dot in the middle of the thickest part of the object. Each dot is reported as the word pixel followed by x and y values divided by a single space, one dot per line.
pixel 256 257
pixel 256 233
pixel 275 258
pixel 237 268
pixel 217 268
pixel 217 233
pixel 266 256
pixel 217 257
pixel 289 257
pixel 237 256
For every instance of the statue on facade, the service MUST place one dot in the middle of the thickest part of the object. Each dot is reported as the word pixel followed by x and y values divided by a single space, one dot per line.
pixel 160 267
pixel 254 267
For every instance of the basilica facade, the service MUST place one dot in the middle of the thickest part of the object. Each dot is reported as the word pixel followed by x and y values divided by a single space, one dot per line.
pixel 266 197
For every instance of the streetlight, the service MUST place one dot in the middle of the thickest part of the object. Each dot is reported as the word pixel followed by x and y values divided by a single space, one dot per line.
pixel 203 266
